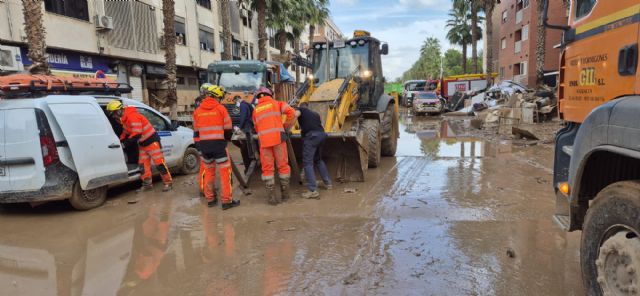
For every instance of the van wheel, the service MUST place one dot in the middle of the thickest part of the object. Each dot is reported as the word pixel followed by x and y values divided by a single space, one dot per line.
pixel 87 199
pixel 190 162
pixel 611 242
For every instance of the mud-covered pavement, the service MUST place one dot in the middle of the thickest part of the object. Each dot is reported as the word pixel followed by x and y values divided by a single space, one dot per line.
pixel 450 215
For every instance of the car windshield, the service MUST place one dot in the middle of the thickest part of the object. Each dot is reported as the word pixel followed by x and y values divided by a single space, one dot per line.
pixel 428 95
pixel 415 86
pixel 244 81
pixel 341 62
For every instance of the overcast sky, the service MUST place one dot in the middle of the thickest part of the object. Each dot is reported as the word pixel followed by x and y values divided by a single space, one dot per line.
pixel 404 24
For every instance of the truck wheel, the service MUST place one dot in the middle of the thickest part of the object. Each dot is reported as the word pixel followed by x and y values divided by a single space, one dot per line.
pixel 190 161
pixel 610 249
pixel 372 129
pixel 87 199
pixel 389 132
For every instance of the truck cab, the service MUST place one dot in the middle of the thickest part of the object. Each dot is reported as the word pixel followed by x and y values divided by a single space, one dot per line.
pixel 597 154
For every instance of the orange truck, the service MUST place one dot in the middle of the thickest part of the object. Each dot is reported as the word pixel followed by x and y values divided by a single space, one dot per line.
pixel 597 153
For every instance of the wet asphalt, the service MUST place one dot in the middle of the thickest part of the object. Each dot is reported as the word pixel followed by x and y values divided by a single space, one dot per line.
pixel 449 215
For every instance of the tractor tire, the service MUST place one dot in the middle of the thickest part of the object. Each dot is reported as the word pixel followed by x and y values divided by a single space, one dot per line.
pixel 83 200
pixel 611 241
pixel 372 129
pixel 389 128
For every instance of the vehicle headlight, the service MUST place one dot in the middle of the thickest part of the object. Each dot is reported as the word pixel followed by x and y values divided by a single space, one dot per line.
pixel 366 74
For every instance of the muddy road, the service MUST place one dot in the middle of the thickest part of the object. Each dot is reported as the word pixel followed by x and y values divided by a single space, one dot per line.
pixel 450 215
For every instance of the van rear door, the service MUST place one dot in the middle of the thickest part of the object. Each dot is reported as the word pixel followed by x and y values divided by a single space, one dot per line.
pixel 96 150
pixel 4 172
pixel 22 159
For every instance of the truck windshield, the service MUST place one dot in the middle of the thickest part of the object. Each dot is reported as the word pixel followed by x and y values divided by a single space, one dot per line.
pixel 243 81
pixel 342 62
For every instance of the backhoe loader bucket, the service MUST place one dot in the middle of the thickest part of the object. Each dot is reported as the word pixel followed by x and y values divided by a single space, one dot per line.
pixel 345 154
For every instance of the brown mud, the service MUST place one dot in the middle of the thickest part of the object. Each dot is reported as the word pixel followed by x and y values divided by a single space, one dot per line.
pixel 452 214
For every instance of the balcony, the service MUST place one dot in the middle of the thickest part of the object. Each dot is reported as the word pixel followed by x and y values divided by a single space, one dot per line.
pixel 519 17
pixel 518 46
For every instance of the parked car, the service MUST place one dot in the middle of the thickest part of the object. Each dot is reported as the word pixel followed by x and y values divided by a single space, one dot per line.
pixel 410 88
pixel 55 147
pixel 427 102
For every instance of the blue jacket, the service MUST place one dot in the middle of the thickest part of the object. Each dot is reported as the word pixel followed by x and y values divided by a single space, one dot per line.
pixel 246 122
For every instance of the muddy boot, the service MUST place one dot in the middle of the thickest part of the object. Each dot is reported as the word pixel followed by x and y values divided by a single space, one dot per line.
pixel 234 203
pixel 146 186
pixel 271 190
pixel 212 203
pixel 311 195
pixel 284 187
pixel 167 187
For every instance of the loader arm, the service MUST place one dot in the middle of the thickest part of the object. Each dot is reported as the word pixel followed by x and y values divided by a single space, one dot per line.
pixel 344 103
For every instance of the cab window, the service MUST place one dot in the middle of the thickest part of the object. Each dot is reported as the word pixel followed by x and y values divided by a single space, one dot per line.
pixel 156 121
pixel 584 7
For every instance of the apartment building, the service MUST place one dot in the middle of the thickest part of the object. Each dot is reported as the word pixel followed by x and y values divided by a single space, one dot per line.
pixel 518 21
pixel 327 32
pixel 124 40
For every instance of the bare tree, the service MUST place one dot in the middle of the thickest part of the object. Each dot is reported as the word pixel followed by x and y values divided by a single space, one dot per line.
pixel 32 10
pixel 169 15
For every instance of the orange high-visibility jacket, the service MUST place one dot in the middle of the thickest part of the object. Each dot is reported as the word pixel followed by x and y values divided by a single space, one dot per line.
pixel 135 124
pixel 267 118
pixel 210 121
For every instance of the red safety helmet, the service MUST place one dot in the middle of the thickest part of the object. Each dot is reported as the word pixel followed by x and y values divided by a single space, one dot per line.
pixel 263 91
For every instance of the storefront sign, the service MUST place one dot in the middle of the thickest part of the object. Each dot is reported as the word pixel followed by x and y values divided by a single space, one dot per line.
pixel 68 60
pixel 78 74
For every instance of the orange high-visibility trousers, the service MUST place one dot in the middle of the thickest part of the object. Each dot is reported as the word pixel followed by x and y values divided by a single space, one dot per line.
pixel 277 154
pixel 149 154
pixel 224 165
pixel 201 176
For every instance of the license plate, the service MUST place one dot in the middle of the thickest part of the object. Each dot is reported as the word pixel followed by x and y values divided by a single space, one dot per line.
pixel 2 171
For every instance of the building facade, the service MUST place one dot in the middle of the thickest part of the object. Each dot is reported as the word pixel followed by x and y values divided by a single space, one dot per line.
pixel 124 39
pixel 327 32
pixel 518 21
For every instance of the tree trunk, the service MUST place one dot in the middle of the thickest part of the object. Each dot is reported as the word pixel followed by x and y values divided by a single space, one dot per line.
pixel 312 31
pixel 168 15
pixel 262 30
pixel 32 10
pixel 225 13
pixel 282 41
pixel 489 5
pixel 464 58
pixel 474 36
pixel 540 45
pixel 296 50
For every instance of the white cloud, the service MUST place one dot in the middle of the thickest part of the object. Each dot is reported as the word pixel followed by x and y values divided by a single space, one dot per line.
pixel 405 41
pixel 422 4
pixel 346 2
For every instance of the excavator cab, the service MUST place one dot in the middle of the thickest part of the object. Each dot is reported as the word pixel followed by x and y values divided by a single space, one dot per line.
pixel 347 90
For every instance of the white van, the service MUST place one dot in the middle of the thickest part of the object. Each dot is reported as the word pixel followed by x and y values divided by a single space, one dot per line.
pixel 64 147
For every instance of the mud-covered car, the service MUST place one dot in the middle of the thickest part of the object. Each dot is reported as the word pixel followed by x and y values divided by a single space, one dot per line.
pixel 410 88
pixel 427 102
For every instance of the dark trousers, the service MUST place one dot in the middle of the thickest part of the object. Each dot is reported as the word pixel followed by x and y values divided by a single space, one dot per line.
pixel 312 155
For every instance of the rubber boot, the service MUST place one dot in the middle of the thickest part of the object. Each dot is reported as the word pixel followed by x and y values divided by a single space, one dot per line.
pixel 147 185
pixel 271 190
pixel 284 187
pixel 234 203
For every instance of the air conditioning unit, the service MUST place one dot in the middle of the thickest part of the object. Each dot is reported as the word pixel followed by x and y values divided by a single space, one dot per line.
pixel 103 22
pixel 10 59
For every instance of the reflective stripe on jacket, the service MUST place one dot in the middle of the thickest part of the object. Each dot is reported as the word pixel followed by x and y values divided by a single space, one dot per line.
pixel 268 120
pixel 210 121
pixel 135 124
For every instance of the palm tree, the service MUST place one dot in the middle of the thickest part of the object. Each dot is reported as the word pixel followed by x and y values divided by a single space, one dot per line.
pixel 459 28
pixel 32 10
pixel 540 44
pixel 487 7
pixel 168 17
pixel 225 13
pixel 475 34
pixel 317 16
pixel 260 7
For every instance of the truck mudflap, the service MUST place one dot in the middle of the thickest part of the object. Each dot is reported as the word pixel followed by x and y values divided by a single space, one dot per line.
pixel 345 154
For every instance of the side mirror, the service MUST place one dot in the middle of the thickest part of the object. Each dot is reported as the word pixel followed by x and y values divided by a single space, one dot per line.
pixel 385 49
pixel 174 125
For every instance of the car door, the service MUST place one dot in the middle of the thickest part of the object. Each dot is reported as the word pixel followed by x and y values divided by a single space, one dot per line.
pixel 22 157
pixel 170 144
pixel 96 150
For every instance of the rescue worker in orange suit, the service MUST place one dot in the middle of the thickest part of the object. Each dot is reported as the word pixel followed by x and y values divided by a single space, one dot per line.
pixel 212 127
pixel 198 101
pixel 138 130
pixel 270 126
